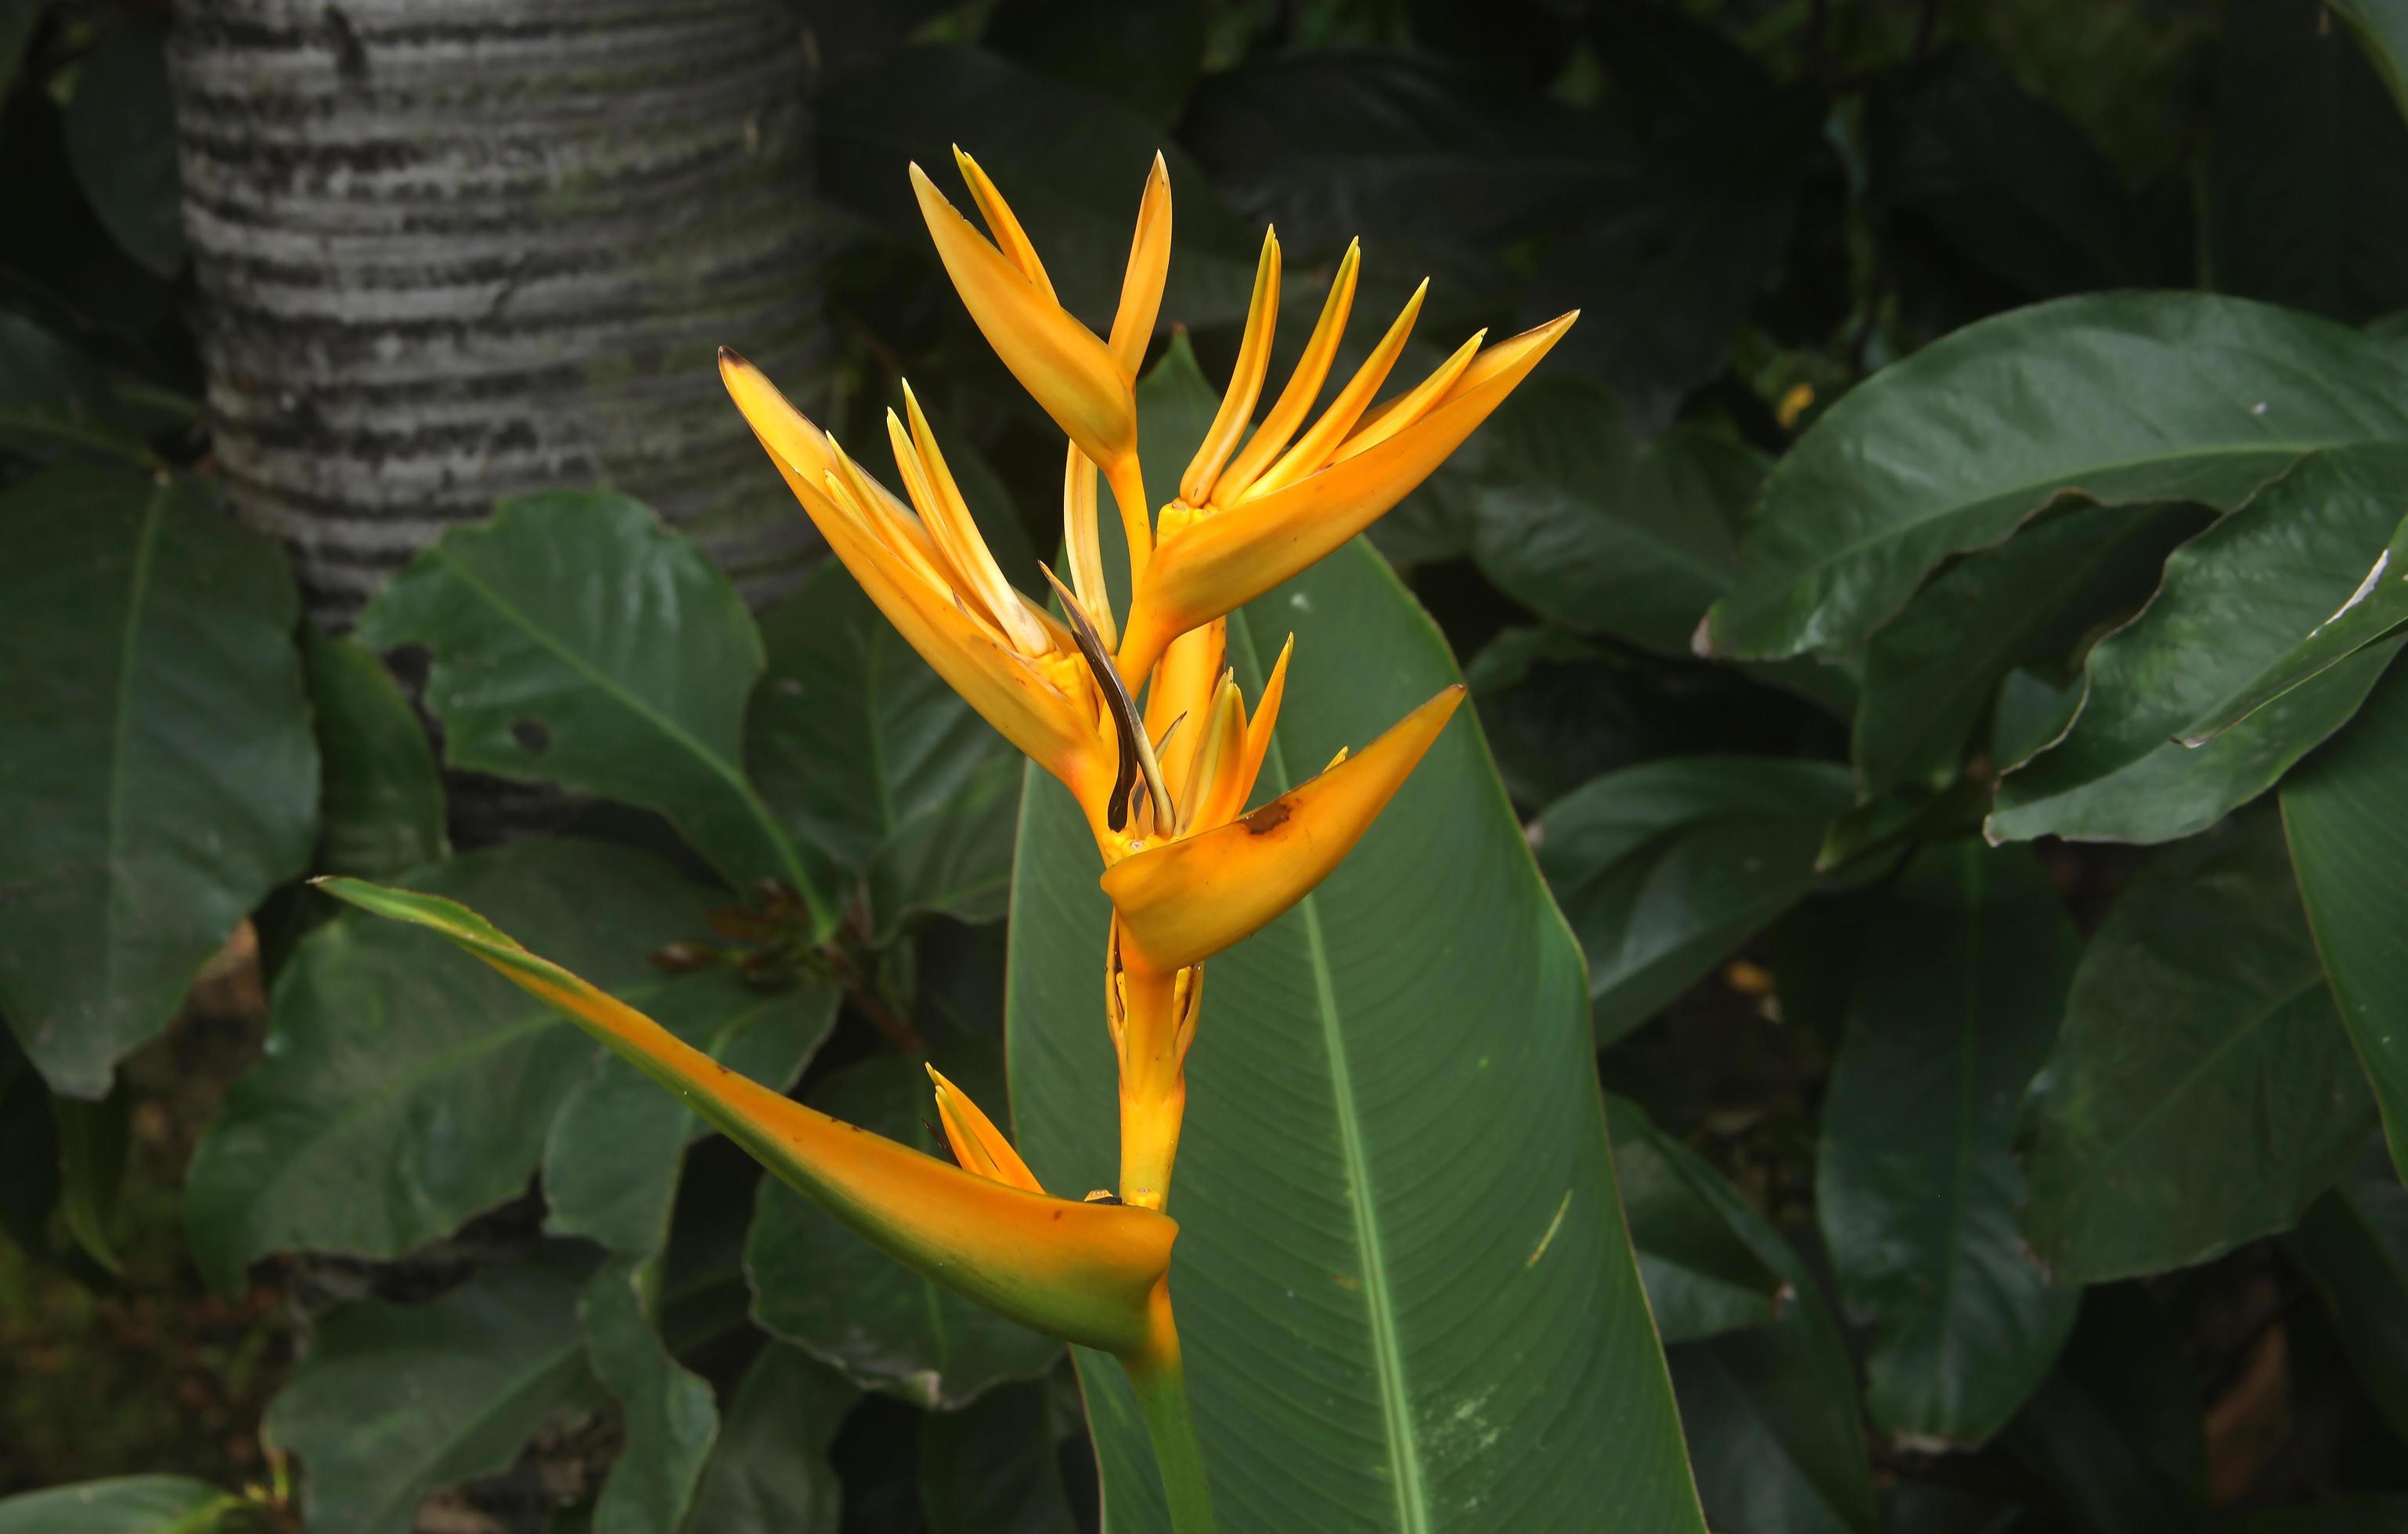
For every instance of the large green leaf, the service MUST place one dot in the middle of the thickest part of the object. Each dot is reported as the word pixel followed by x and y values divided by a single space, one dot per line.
pixel 132 1505
pixel 577 641
pixel 1665 867
pixel 2353 1246
pixel 668 1416
pixel 852 735
pixel 862 750
pixel 402 1090
pixel 2116 1432
pixel 1402 1272
pixel 156 771
pixel 381 807
pixel 2375 610
pixel 1931 673
pixel 2307 166
pixel 1703 1276
pixel 1583 524
pixel 1771 1411
pixel 2121 398
pixel 823 1288
pixel 2201 1092
pixel 771 1469
pixel 1958 991
pixel 2346 813
pixel 2234 600
pixel 394 1401
pixel 617 1144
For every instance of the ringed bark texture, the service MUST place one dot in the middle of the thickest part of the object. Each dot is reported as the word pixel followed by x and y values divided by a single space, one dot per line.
pixel 450 251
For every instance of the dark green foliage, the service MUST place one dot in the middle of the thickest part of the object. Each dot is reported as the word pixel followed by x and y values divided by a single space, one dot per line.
pixel 1983 418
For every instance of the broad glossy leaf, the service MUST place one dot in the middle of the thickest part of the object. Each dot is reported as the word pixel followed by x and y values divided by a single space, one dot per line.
pixel 1932 672
pixel 2234 599
pixel 1402 1271
pixel 159 775
pixel 2353 1246
pixel 394 1401
pixel 2122 397
pixel 1702 1277
pixel 578 642
pixel 404 1091
pixel 1665 867
pixel 1959 988
pixel 2117 1430
pixel 770 1469
pixel 381 806
pixel 2374 611
pixel 2307 166
pixel 821 1287
pixel 2347 814
pixel 1577 519
pixel 617 1144
pixel 990 1467
pixel 120 139
pixel 953 860
pixel 2201 1091
pixel 852 736
pixel 1771 1411
pixel 670 1418
pixel 132 1505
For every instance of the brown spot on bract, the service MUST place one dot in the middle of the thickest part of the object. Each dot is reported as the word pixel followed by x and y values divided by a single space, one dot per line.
pixel 1270 818
pixel 531 735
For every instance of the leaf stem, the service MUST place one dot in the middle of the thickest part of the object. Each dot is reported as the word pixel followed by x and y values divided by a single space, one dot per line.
pixel 1161 1381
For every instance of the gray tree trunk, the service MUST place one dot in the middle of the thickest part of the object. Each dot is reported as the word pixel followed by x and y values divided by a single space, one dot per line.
pixel 450 251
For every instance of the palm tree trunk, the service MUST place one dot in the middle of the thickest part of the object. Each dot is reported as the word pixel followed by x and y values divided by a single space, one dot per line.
pixel 450 250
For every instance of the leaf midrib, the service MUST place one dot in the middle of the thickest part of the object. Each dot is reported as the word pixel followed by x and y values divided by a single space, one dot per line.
pixel 2115 1151
pixel 129 645
pixel 1387 1348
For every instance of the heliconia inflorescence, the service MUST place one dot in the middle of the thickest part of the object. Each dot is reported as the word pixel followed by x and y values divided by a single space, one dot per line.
pixel 1137 714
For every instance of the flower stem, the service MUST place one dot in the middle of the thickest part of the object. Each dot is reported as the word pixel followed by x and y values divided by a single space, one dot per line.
pixel 1161 1381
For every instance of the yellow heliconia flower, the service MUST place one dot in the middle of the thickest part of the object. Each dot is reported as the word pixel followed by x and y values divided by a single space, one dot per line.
pixel 1088 385
pixel 978 1145
pixel 1091 1273
pixel 1246 519
pixel 930 572
pixel 1164 790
